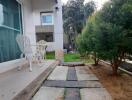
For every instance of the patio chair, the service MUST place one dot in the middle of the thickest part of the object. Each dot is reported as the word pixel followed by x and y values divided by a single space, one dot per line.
pixel 41 49
pixel 26 49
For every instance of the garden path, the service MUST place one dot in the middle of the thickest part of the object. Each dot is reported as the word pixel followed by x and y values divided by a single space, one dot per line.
pixel 72 83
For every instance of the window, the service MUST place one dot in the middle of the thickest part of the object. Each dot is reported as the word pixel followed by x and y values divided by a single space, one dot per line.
pixel 46 19
pixel 10 26
pixel 45 36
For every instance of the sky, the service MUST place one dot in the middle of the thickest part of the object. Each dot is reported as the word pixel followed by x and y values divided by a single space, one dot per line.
pixel 99 3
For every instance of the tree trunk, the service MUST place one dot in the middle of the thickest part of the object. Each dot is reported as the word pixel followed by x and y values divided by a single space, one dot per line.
pixel 115 69
pixel 116 63
pixel 96 63
pixel 115 66
pixel 96 60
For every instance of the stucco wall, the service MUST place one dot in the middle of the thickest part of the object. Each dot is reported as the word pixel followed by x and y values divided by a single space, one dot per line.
pixel 58 31
pixel 32 9
pixel 28 24
pixel 49 5
pixel 41 6
pixel 58 27
pixel 29 8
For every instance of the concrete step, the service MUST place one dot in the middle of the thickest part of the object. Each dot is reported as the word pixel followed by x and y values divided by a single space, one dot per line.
pixel 21 85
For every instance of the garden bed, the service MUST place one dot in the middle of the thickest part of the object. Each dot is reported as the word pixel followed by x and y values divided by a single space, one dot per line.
pixel 119 87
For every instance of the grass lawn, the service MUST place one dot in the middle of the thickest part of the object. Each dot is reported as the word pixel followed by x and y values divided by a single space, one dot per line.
pixel 70 57
pixel 50 55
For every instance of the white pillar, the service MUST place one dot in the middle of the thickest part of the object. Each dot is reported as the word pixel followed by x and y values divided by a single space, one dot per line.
pixel 28 22
pixel 58 31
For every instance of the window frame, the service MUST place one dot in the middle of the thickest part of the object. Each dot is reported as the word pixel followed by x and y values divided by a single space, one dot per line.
pixel 46 14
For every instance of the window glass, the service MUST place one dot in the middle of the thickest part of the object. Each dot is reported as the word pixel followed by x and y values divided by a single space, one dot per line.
pixel 1 14
pixel 46 19
pixel 10 26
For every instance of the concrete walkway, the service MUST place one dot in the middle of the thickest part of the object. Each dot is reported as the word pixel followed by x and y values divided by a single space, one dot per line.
pixel 19 85
pixel 78 85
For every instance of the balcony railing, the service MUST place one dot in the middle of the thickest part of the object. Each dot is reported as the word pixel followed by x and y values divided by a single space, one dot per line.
pixel 44 28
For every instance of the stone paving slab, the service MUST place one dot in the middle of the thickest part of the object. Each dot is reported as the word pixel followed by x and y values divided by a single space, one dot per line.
pixel 73 84
pixel 82 75
pixel 49 93
pixel 87 87
pixel 82 70
pixel 94 94
pixel 60 73
pixel 72 94
pixel 71 76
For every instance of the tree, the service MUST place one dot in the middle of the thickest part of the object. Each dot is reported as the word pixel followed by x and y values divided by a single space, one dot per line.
pixel 74 17
pixel 89 8
pixel 116 31
pixel 109 38
pixel 112 33
pixel 87 41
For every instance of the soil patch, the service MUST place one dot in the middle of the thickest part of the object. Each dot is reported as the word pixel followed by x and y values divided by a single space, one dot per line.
pixel 119 87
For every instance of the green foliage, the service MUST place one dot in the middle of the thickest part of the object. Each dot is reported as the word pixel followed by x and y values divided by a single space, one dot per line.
pixel 118 15
pixel 109 38
pixel 75 14
pixel 108 33
pixel 89 8
pixel 87 42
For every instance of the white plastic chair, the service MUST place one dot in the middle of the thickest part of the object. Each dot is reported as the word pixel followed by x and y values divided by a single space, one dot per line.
pixel 25 47
pixel 41 49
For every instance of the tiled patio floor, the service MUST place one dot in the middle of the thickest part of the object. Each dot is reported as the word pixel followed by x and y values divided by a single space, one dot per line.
pixel 13 82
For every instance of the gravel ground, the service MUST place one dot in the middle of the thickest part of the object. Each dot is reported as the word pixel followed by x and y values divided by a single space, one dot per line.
pixel 120 87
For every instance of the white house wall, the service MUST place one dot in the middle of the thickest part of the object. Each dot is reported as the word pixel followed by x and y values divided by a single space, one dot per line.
pixel 58 27
pixel 31 17
pixel 58 31
pixel 41 6
pixel 32 9
pixel 28 24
